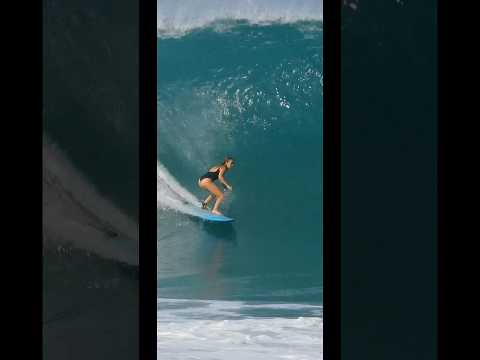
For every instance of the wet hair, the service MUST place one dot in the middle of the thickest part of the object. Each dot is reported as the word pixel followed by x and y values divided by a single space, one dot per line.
pixel 227 159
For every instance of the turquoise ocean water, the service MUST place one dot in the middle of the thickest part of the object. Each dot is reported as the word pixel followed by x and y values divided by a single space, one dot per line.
pixel 252 90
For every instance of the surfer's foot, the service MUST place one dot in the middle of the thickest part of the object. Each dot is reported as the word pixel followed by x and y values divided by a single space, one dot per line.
pixel 216 212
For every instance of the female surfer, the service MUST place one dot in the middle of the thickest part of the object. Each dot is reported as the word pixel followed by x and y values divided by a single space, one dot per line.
pixel 207 182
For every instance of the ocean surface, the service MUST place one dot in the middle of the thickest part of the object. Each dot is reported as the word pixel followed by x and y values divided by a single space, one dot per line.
pixel 250 88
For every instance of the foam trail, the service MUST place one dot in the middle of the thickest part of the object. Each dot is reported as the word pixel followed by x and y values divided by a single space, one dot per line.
pixel 75 213
pixel 175 18
pixel 172 195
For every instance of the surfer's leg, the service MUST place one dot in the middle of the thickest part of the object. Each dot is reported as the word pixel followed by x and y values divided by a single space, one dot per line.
pixel 210 186
pixel 217 204
pixel 206 201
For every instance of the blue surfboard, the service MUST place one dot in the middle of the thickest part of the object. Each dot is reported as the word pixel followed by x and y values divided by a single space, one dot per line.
pixel 208 216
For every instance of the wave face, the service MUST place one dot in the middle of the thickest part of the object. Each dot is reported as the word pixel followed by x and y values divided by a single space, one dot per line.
pixel 252 91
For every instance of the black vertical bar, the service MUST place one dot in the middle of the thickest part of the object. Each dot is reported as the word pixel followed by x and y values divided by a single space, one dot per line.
pixel 389 180
pixel 147 191
pixel 38 258
pixel 441 194
pixel 331 261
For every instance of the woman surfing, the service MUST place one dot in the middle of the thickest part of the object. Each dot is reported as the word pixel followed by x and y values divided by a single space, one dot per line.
pixel 207 182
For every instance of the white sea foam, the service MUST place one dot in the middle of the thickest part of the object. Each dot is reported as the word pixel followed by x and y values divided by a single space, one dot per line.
pixel 211 329
pixel 175 18
pixel 172 195
pixel 74 211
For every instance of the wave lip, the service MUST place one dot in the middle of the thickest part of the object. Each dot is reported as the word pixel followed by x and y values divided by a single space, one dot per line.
pixel 176 19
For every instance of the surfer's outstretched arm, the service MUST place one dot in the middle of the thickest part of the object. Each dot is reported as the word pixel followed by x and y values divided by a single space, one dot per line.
pixel 222 179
